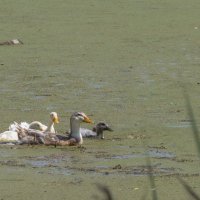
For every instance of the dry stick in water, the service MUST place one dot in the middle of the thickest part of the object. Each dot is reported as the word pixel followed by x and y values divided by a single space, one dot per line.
pixel 195 131
pixel 150 175
pixel 151 178
pixel 104 189
pixel 193 121
pixel 188 189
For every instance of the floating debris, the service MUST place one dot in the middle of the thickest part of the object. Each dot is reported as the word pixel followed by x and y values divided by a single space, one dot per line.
pixel 117 167
pixel 12 42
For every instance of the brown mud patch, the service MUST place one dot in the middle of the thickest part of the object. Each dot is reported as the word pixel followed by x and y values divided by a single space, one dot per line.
pixel 67 164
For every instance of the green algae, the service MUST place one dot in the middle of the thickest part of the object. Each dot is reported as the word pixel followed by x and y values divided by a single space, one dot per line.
pixel 123 62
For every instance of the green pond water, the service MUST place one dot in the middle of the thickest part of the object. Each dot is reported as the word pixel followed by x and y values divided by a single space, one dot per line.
pixel 124 62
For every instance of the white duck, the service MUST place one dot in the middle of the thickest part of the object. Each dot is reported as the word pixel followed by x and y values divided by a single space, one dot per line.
pixel 9 136
pixel 38 125
pixel 12 135
pixel 50 128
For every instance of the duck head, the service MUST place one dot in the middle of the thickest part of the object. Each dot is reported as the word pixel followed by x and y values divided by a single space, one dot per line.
pixel 75 122
pixel 54 117
pixel 100 127
pixel 80 117
pixel 53 120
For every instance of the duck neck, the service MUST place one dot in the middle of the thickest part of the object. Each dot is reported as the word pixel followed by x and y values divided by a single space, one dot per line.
pixel 99 132
pixel 50 127
pixel 75 130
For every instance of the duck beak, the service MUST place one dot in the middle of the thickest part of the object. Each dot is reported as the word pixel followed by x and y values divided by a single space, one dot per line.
pixel 56 120
pixel 87 120
pixel 109 129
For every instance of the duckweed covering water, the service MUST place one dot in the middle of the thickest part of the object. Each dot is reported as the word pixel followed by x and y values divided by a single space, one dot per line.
pixel 123 62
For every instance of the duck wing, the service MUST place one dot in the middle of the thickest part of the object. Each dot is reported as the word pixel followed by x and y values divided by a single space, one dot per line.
pixel 9 136
pixel 14 126
pixel 87 132
pixel 38 126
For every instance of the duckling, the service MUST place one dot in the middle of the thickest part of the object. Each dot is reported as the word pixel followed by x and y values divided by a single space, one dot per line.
pixel 97 131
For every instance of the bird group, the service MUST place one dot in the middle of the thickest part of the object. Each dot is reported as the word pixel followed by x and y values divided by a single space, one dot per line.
pixel 38 133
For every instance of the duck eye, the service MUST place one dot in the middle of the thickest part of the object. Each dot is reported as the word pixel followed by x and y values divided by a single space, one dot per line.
pixel 79 115
pixel 103 124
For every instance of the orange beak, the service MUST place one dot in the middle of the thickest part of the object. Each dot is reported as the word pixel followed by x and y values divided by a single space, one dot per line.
pixel 56 120
pixel 87 120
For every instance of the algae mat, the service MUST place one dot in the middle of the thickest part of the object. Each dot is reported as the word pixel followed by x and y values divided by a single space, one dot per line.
pixel 123 62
